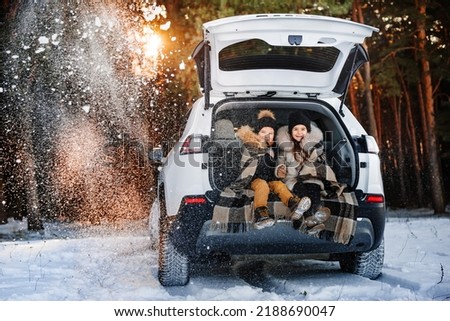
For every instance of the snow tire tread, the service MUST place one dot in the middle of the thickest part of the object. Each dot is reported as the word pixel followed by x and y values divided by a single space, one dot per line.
pixel 173 265
pixel 366 264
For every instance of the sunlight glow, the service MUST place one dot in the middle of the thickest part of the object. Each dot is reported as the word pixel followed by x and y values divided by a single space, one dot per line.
pixel 152 45
pixel 147 44
pixel 148 52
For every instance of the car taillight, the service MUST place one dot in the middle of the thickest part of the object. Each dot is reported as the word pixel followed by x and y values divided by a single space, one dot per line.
pixel 372 146
pixel 373 198
pixel 192 144
pixel 194 200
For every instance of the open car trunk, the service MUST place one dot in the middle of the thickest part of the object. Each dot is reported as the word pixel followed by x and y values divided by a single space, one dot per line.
pixel 224 163
pixel 225 149
pixel 309 56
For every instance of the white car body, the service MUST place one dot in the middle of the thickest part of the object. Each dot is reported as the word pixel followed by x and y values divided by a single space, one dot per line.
pixel 183 176
pixel 275 29
pixel 283 62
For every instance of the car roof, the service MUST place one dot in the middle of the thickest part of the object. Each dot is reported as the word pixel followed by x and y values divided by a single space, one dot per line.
pixel 290 53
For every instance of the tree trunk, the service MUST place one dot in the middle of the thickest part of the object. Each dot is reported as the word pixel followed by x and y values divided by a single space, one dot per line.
pixel 434 164
pixel 410 129
pixel 396 111
pixel 423 119
pixel 372 125
pixel 377 111
pixel 354 102
pixel 415 153
pixel 369 101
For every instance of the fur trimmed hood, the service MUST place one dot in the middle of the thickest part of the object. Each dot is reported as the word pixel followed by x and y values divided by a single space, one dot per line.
pixel 312 138
pixel 249 137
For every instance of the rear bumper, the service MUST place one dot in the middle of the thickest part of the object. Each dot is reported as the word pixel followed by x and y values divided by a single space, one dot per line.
pixel 281 238
pixel 191 234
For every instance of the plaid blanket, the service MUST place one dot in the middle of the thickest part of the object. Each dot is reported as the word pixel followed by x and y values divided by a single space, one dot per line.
pixel 233 212
pixel 341 226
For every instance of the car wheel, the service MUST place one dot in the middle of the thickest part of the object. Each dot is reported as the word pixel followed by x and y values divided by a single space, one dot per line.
pixel 366 264
pixel 153 224
pixel 173 265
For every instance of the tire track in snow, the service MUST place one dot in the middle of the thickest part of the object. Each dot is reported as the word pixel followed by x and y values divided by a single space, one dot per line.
pixel 304 278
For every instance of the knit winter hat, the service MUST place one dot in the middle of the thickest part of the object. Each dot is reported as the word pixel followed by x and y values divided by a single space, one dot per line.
pixel 299 118
pixel 266 118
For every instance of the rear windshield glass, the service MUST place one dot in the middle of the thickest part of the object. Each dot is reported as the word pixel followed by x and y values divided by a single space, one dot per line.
pixel 258 54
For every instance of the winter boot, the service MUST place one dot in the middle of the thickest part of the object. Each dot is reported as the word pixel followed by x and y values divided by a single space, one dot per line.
pixel 314 231
pixel 293 203
pixel 299 206
pixel 262 218
pixel 319 217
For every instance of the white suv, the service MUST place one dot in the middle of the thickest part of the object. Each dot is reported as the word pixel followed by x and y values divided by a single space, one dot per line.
pixel 281 62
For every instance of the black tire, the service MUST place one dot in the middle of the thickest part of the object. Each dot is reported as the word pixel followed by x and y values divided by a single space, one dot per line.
pixel 154 224
pixel 173 265
pixel 156 218
pixel 366 264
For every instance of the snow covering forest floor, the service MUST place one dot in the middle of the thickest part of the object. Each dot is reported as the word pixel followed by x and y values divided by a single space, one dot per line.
pixel 117 262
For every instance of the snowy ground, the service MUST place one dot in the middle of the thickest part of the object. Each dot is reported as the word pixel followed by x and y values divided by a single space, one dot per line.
pixel 106 263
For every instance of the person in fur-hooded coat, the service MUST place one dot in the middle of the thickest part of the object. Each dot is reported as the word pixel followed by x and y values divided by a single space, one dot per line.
pixel 302 162
pixel 302 166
